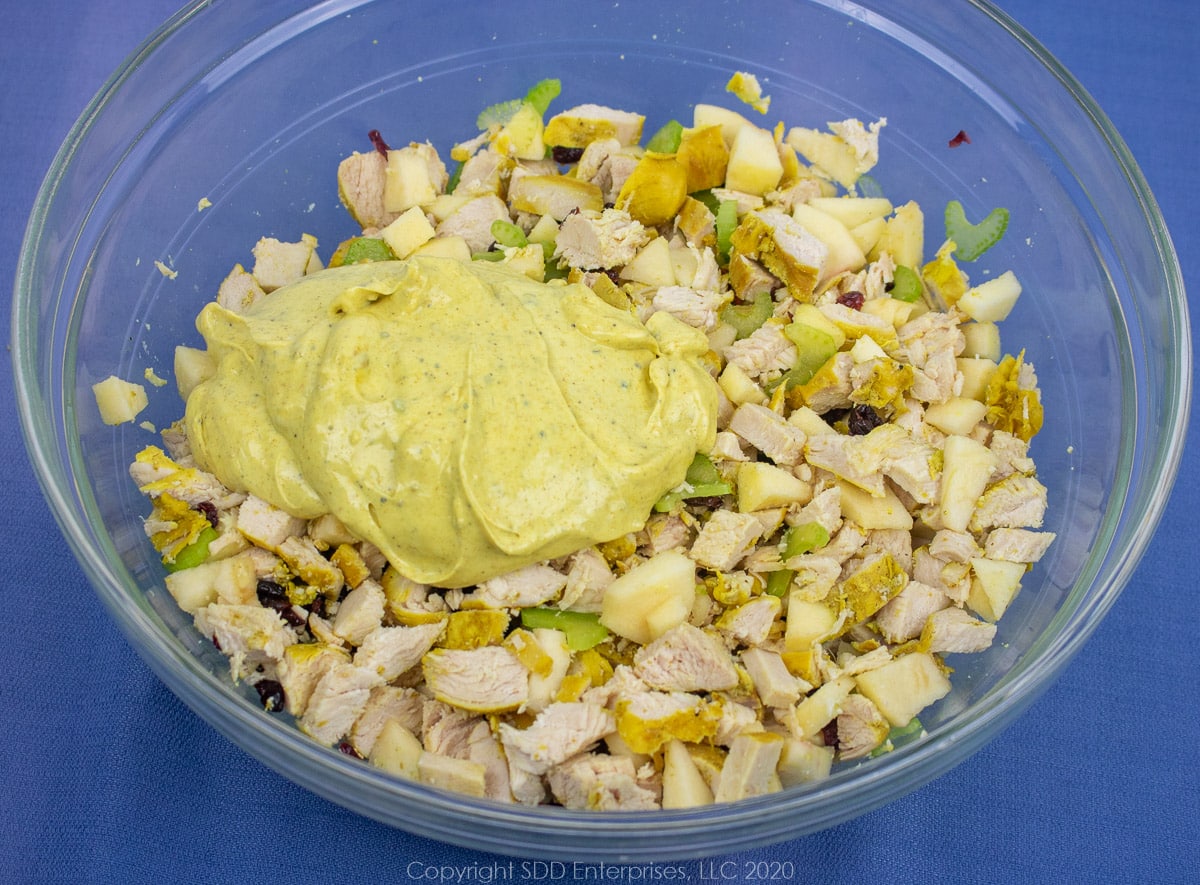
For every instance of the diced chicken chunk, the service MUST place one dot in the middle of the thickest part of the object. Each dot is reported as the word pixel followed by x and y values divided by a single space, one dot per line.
pixel 393 651
pixel 774 683
pixel 763 351
pixel 768 432
pixel 685 658
pixel 453 675
pixel 595 241
pixel 249 635
pixel 526 587
pixel 361 180
pixel 691 306
pixel 953 630
pixel 725 539
pixel 600 783
pixel 904 616
pixel 473 222
pixel 337 701
pixel 559 732
pixel 1016 545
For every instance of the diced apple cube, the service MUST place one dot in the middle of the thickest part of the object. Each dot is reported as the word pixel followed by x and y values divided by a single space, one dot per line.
pixel 957 415
pixel 119 401
pixel 446 247
pixel 868 233
pixel 651 265
pixel 903 687
pixel 683 786
pixel 731 122
pixel 409 231
pixel 981 340
pixel 853 211
pixel 829 153
pixel 407 181
pixel 819 708
pixel 232 581
pixel 870 512
pixel 754 165
pixel 761 485
pixel 904 237
pixel 993 300
pixel 192 367
pixel 642 603
pixel 976 373
pixel 844 253
pixel 807 622
pixel 994 585
pixel 802 762
pixel 967 465
pixel 397 750
pixel 739 387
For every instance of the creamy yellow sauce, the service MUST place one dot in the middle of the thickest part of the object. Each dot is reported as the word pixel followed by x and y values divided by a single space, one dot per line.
pixel 463 418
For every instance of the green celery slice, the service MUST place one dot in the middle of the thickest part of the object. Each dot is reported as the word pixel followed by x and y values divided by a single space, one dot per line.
pixel 582 629
pixel 508 234
pixel 666 140
pixel 745 318
pixel 366 249
pixel 194 553
pixel 973 240
pixel 906 284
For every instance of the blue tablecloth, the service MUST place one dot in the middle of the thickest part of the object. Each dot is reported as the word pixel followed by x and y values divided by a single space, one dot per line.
pixel 109 778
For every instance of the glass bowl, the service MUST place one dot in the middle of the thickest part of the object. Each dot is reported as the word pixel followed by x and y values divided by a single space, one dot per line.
pixel 250 107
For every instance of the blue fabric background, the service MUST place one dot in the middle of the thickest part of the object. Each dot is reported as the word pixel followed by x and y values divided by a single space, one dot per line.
pixel 108 778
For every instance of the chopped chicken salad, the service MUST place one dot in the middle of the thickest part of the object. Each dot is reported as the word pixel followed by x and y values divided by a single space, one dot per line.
pixel 867 511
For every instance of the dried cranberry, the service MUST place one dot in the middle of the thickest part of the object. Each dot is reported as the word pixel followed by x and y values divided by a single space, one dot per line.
pixel 862 420
pixel 565 156
pixel 960 138
pixel 377 140
pixel 830 734
pixel 270 693
pixel 269 590
pixel 346 748
pixel 274 597
pixel 209 509
pixel 612 274
pixel 317 606
pixel 710 501
pixel 852 300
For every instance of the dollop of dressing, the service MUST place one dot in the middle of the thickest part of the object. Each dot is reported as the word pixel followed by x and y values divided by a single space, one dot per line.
pixel 465 419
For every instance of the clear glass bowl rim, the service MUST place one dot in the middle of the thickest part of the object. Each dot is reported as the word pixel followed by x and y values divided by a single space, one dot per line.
pixel 558 833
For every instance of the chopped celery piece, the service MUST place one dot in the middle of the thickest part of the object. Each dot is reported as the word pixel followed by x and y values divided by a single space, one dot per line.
pixel 706 197
pixel 487 256
pixel 364 249
pixel 804 538
pixel 454 177
pixel 797 540
pixel 866 186
pixel 498 114
pixel 543 92
pixel 778 582
pixel 194 553
pixel 508 234
pixel 745 318
pixel 973 240
pixel 726 221
pixel 670 500
pixel 906 284
pixel 702 470
pixel 582 629
pixel 899 735
pixel 814 347
pixel 666 140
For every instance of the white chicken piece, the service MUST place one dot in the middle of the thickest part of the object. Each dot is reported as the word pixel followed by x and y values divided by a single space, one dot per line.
pixel 835 394
pixel 773 682
pixel 768 432
pixel 461 735
pixel 588 574
pixel 529 586
pixel 276 264
pixel 599 240
pixel 725 538
pixel 693 307
pixel 905 614
pixel 666 531
pixel 306 561
pixel 301 667
pixel 749 768
pixel 486 680
pixel 954 546
pixel 337 701
pixel 1012 455
pixel 750 623
pixel 1016 545
pixel 736 719
pixel 483 173
pixel 385 703
pixel 562 730
pixel 863 140
pixel 239 290
pixel 473 222
pixel 361 179
pixel 600 783
pixel 825 509
pixel 1017 501
pixel 250 636
pixel 155 474
pixel 265 525
pixel 728 447
pixel 686 658
pixel 860 727
pixel 930 344
pixel 952 630
pixel 392 651
pixel 763 351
